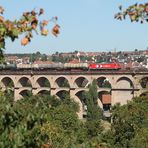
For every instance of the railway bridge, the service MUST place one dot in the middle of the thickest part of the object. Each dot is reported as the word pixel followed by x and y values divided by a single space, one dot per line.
pixel 120 85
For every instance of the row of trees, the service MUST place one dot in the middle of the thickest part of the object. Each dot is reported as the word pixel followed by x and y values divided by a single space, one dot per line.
pixel 45 121
pixel 129 124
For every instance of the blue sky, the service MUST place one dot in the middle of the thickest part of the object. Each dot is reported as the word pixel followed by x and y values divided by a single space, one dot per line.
pixel 86 25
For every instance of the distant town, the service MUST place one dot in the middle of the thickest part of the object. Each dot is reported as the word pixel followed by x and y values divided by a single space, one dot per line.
pixel 127 59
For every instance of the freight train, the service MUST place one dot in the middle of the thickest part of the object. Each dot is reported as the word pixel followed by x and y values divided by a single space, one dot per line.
pixel 63 66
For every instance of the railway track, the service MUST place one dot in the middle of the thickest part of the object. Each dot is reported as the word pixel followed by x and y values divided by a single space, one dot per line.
pixel 67 72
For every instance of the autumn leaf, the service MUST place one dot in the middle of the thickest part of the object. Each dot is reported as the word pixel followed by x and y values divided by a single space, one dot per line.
pixel 28 22
pixel 24 41
pixel 55 30
pixel 1 19
pixel 45 22
pixel 44 32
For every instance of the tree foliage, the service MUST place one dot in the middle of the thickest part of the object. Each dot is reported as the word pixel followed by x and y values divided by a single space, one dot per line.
pixel 136 13
pixel 91 97
pixel 28 22
pixel 129 124
pixel 42 120
pixel 39 121
pixel 36 120
pixel 94 113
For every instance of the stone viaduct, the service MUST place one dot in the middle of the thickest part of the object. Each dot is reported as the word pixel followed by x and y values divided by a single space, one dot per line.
pixel 121 85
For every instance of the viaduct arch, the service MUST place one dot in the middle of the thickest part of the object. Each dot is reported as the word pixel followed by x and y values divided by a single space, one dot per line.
pixel 121 86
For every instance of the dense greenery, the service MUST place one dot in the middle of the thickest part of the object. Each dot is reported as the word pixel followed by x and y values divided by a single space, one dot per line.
pixel 45 121
pixel 94 113
pixel 41 120
pixel 37 120
pixel 129 125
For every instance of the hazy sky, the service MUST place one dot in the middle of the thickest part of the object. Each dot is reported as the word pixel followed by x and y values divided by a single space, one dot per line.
pixel 86 25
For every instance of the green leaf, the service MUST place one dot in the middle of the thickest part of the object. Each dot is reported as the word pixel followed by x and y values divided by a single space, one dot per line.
pixel 2 31
pixel 15 32
pixel 2 45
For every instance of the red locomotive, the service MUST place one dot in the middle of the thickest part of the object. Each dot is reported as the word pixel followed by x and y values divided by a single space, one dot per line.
pixel 113 66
